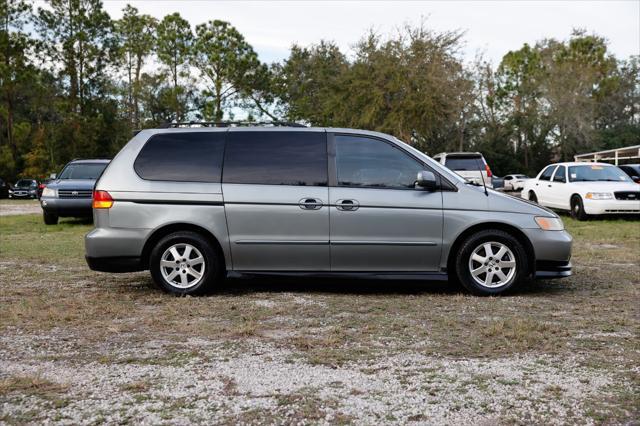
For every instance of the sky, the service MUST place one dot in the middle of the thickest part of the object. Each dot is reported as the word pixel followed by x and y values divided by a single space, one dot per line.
pixel 492 28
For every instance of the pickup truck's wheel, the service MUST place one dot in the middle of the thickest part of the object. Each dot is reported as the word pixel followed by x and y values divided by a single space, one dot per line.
pixel 577 208
pixel 533 197
pixel 184 263
pixel 49 218
pixel 490 262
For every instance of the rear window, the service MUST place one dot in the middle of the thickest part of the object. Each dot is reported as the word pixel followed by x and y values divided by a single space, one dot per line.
pixel 182 157
pixel 82 171
pixel 467 162
pixel 276 158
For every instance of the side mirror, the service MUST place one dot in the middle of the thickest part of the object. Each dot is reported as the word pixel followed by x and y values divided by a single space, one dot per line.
pixel 52 176
pixel 427 180
pixel 636 179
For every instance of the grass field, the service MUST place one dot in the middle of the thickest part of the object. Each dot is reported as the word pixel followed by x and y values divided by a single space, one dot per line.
pixel 83 347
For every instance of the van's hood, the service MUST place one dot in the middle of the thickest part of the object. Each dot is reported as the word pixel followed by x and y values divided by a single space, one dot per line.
pixel 600 186
pixel 72 184
pixel 501 202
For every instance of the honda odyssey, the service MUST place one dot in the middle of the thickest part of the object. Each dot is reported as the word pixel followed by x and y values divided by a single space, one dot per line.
pixel 194 205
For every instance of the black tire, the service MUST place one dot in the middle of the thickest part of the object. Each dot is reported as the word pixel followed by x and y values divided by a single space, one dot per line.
pixel 462 264
pixel 212 263
pixel 577 208
pixel 533 197
pixel 49 218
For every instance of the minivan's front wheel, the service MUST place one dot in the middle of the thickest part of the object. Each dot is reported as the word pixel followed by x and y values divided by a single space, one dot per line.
pixel 184 263
pixel 491 262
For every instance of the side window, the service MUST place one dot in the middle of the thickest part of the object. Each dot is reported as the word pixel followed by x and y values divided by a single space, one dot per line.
pixel 561 175
pixel 276 158
pixel 367 162
pixel 508 178
pixel 547 173
pixel 182 157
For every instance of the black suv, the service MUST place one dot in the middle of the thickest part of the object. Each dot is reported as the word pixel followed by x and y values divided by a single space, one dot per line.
pixel 69 194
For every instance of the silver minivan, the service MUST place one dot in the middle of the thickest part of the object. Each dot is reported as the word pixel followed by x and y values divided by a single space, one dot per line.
pixel 196 204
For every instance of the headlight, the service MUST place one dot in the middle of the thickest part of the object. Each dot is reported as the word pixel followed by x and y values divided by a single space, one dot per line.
pixel 599 196
pixel 549 223
pixel 48 192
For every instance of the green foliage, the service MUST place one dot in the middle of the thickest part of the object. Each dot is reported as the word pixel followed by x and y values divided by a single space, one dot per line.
pixel 174 50
pixel 226 61
pixel 74 82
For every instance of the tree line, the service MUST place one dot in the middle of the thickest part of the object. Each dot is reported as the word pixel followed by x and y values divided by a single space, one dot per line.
pixel 74 83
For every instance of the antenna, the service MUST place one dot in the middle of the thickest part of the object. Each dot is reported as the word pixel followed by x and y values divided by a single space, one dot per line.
pixel 482 177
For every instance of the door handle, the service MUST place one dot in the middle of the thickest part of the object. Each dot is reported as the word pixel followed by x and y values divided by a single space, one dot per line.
pixel 550 186
pixel 347 205
pixel 310 204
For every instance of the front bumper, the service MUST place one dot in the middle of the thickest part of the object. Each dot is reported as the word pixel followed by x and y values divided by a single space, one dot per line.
pixel 552 251
pixel 596 207
pixel 22 194
pixel 75 207
pixel 548 269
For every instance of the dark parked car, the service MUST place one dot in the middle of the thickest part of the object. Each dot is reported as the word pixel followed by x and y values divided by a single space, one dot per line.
pixel 4 189
pixel 69 194
pixel 633 170
pixel 24 188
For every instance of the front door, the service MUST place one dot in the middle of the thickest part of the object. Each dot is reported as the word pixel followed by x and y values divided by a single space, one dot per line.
pixel 379 220
pixel 276 200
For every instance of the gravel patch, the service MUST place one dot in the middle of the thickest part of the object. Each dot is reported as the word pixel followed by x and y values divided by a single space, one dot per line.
pixel 23 207
pixel 209 384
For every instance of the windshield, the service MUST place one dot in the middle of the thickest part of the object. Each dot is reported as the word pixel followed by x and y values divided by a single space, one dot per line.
pixel 25 183
pixel 464 163
pixel 597 173
pixel 82 171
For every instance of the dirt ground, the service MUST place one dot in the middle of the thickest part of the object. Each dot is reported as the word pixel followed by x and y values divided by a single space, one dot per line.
pixel 83 347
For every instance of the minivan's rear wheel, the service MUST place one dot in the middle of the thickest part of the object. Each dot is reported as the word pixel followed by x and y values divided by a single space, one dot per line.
pixel 577 208
pixel 184 263
pixel 491 262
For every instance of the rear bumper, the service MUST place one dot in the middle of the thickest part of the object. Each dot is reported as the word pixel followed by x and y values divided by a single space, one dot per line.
pixel 66 206
pixel 115 264
pixel 548 269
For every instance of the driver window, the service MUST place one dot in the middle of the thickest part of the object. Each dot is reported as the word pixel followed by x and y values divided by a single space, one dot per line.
pixel 371 163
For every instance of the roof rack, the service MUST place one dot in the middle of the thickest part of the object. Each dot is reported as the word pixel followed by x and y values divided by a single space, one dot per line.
pixel 229 124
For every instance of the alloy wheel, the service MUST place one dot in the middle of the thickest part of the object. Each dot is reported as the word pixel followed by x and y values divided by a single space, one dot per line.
pixel 492 264
pixel 182 265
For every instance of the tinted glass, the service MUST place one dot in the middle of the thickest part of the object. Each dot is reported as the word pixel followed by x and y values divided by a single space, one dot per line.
pixel 561 174
pixel 547 173
pixel 367 162
pixel 597 173
pixel 26 183
pixel 82 171
pixel 276 158
pixel 184 157
pixel 458 163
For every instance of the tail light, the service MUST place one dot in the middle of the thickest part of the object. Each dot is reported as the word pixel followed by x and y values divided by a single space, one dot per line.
pixel 102 200
pixel 488 170
pixel 41 186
